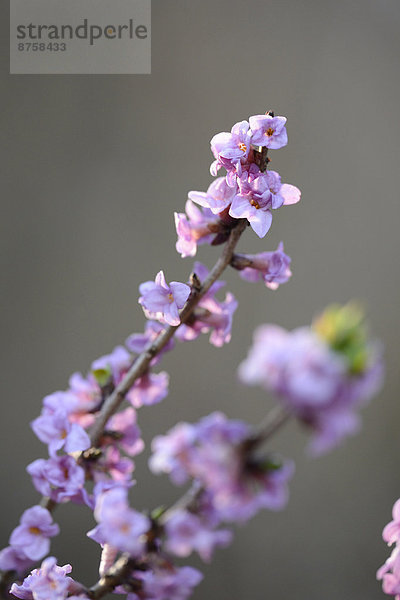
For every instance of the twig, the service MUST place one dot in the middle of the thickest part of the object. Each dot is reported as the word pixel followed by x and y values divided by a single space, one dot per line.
pixel 115 576
pixel 112 398
pixel 240 262
pixel 142 362
pixel 48 503
pixel 274 420
pixel 185 502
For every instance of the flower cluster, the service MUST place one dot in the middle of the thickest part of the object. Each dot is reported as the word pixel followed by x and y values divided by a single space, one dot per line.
pixel 50 582
pixel 252 193
pixel 64 423
pixel 122 529
pixel 322 374
pixel 233 483
pixel 165 581
pixel 63 426
pixel 247 192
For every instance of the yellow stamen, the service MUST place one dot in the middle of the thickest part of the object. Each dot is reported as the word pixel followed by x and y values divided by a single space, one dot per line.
pixel 242 147
pixel 34 530
pixel 255 204
pixel 269 132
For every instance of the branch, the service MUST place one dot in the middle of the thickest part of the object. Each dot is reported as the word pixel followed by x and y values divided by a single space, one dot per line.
pixel 274 420
pixel 142 362
pixel 241 261
pixel 118 573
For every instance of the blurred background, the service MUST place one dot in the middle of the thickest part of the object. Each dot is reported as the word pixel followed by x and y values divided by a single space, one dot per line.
pixel 93 168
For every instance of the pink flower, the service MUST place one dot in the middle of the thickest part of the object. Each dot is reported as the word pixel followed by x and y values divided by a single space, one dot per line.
pixel 211 452
pixel 271 267
pixel 168 583
pixel 211 315
pixel 33 534
pixel 50 582
pixel 119 525
pixel 187 531
pixel 313 380
pixel 149 389
pixel 56 430
pixel 162 301
pixel 254 201
pixel 389 573
pixel 282 193
pixel 59 477
pixel 231 149
pixel 193 228
pixel 391 533
pixel 14 559
pixel 124 424
pixel 268 130
pixel 137 342
pixel 218 196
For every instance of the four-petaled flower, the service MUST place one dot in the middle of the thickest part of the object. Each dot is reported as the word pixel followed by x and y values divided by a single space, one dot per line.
pixel 162 301
pixel 119 525
pixel 50 582
pixel 218 196
pixel 56 430
pixel 230 149
pixel 254 201
pixel 268 131
pixel 33 533
pixel 193 228
pixel 271 267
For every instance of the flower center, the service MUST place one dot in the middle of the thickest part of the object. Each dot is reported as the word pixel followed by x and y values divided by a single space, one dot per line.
pixel 269 132
pixel 170 298
pixel 124 528
pixel 255 204
pixel 34 530
pixel 200 232
pixel 63 434
pixel 242 146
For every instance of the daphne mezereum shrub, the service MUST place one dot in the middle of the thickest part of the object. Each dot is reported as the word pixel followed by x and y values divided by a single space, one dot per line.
pixel 321 375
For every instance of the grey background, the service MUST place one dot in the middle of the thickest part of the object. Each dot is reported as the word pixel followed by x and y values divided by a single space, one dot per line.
pixel 122 54
pixel 93 168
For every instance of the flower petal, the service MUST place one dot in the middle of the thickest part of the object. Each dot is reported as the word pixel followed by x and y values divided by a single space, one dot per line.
pixel 260 222
pixel 290 193
pixel 180 292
